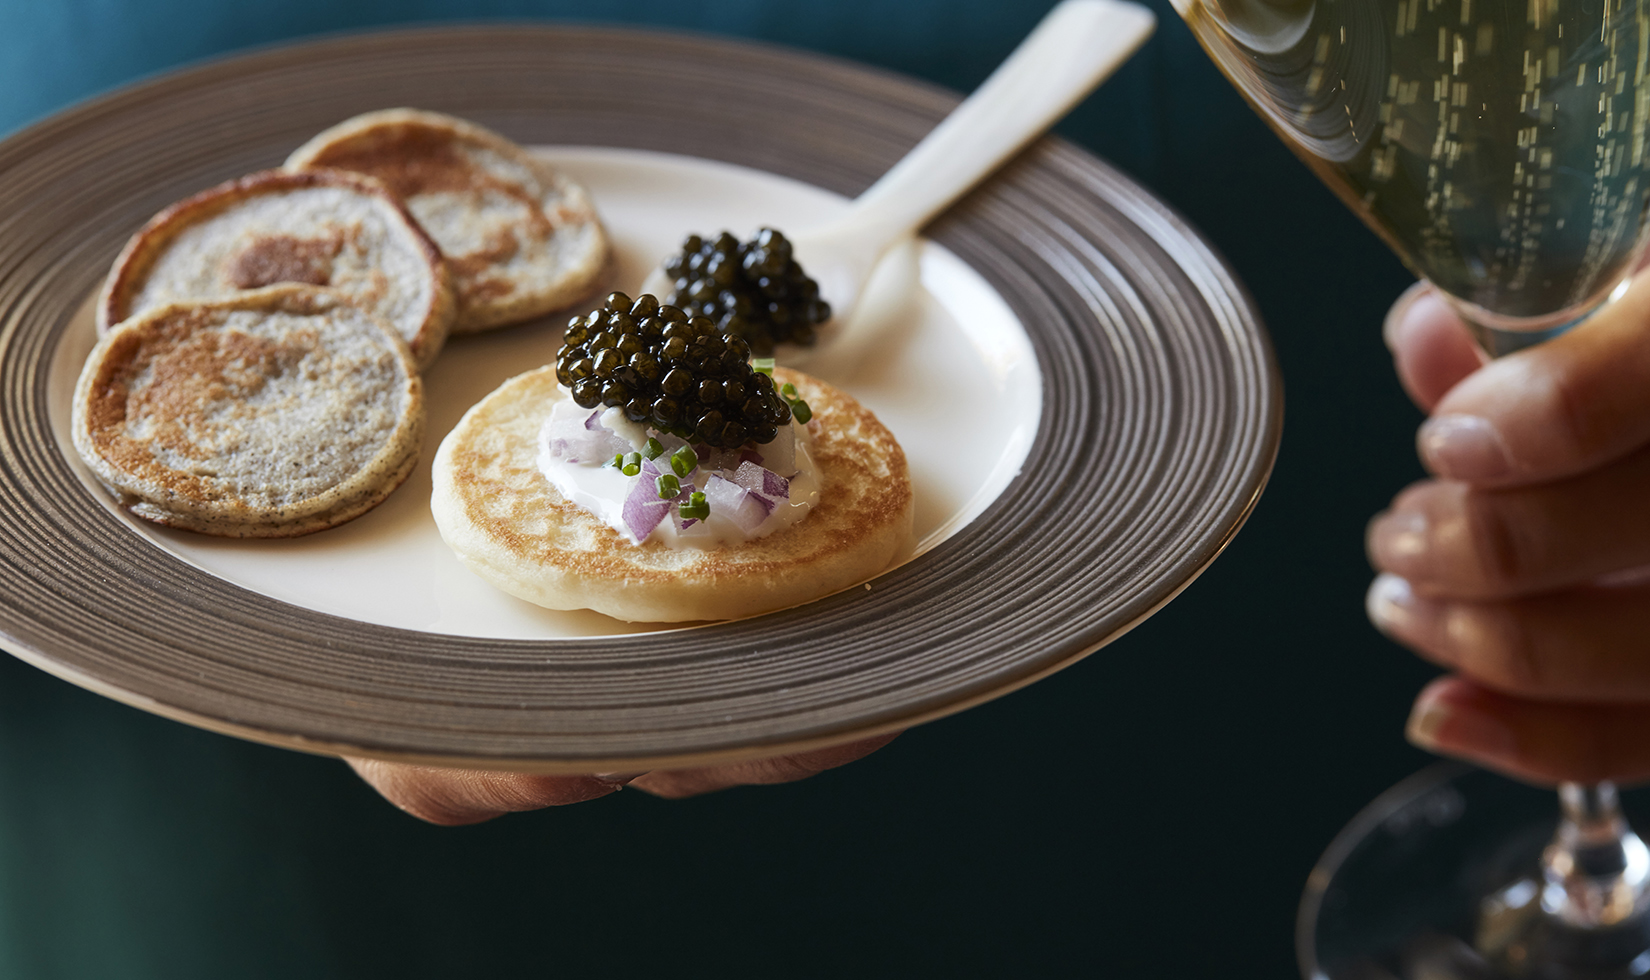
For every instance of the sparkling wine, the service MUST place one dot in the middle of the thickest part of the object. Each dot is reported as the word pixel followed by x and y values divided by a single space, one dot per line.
pixel 1499 146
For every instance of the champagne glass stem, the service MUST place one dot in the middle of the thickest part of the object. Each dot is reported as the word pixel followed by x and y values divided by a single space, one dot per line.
pixel 1596 867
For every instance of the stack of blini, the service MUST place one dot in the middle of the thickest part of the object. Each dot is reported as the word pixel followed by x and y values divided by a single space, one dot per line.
pixel 261 342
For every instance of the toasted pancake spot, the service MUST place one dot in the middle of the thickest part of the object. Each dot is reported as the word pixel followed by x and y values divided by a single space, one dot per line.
pixel 265 415
pixel 521 240
pixel 270 259
pixel 511 526
pixel 329 228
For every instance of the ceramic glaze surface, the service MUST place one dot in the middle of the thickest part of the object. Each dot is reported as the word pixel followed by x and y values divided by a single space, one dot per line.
pixel 1156 428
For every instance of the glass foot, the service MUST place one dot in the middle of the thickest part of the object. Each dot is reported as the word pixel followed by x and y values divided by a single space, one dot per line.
pixel 1440 879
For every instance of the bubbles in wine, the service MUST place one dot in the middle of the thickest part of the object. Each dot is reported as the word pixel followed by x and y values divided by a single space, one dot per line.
pixel 1498 145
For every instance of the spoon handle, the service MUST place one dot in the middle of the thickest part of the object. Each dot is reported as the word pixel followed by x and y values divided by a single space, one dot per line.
pixel 1075 48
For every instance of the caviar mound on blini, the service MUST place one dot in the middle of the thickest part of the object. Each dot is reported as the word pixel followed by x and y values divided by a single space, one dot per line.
pixel 276 413
pixel 583 491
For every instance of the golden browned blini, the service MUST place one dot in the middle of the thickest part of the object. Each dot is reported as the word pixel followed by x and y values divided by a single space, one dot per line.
pixel 324 228
pixel 273 414
pixel 521 239
pixel 511 526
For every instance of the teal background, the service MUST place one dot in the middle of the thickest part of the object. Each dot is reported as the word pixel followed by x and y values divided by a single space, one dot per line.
pixel 1151 812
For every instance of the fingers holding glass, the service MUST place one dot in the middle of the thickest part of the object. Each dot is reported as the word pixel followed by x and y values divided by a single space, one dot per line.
pixel 1537 741
pixel 1452 540
pixel 1585 645
pixel 1431 347
pixel 1570 405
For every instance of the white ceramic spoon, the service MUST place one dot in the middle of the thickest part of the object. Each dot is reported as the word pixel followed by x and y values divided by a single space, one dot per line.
pixel 1075 48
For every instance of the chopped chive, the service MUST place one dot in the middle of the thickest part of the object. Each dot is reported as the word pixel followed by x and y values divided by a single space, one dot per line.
pixel 696 508
pixel 618 461
pixel 632 464
pixel 762 365
pixel 654 448
pixel 684 461
pixel 668 486
pixel 800 411
pixel 787 391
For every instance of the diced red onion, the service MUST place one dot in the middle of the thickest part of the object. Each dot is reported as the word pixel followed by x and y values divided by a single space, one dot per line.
pixel 743 509
pixel 582 441
pixel 643 510
pixel 765 483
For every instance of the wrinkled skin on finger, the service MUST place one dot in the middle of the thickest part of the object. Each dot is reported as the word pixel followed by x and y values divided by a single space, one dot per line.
pixel 454 797
pixel 1523 566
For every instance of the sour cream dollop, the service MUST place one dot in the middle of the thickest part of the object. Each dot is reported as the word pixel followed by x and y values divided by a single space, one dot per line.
pixel 752 492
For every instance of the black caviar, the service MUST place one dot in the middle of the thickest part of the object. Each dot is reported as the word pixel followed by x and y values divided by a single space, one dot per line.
pixel 752 290
pixel 674 372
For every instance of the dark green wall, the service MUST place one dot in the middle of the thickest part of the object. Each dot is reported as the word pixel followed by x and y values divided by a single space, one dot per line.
pixel 1151 812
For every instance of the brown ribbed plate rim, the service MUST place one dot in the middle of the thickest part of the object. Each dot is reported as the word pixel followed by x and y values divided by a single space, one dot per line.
pixel 1160 421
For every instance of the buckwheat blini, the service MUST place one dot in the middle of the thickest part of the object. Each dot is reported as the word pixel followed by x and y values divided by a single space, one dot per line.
pixel 521 239
pixel 272 414
pixel 511 526
pixel 321 228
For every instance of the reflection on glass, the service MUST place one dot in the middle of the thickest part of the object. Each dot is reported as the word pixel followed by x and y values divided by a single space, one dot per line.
pixel 1498 147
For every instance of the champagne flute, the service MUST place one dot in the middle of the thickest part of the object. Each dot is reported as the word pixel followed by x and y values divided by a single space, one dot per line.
pixel 1502 149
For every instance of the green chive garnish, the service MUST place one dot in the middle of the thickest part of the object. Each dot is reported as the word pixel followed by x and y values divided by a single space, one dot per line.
pixel 632 464
pixel 684 461
pixel 696 508
pixel 787 391
pixel 801 412
pixel 654 448
pixel 668 486
pixel 762 365
pixel 618 461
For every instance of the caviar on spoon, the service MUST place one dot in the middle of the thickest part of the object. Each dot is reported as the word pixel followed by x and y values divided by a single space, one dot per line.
pixel 1075 47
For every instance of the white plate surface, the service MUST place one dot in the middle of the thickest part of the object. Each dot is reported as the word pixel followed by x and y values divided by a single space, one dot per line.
pixel 956 381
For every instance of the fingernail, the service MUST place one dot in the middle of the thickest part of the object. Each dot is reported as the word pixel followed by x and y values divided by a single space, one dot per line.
pixel 617 778
pixel 1400 308
pixel 1455 726
pixel 1390 604
pixel 1398 537
pixel 1463 447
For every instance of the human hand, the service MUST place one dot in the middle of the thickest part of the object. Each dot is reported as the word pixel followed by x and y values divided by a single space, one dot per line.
pixel 452 797
pixel 1524 567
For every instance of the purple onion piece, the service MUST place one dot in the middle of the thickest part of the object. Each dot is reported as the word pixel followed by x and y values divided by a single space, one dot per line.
pixel 764 483
pixel 745 510
pixel 643 510
pixel 583 441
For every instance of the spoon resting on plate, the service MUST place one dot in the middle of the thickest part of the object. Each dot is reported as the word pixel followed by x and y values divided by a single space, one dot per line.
pixel 1078 45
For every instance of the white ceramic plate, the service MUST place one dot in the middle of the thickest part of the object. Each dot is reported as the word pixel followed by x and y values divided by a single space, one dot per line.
pixel 1089 404
pixel 956 381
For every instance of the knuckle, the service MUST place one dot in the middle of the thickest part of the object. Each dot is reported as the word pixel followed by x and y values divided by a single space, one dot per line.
pixel 1576 413
pixel 1499 550
pixel 1524 668
pixel 1500 652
